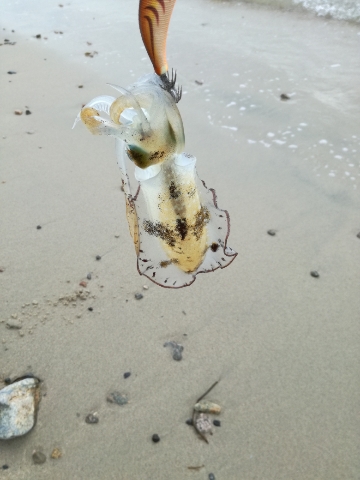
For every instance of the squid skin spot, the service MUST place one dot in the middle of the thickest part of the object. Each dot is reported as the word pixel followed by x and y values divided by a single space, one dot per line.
pixel 162 3
pixel 214 246
pixel 154 11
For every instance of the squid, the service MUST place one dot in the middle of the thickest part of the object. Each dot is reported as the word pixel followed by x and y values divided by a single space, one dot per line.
pixel 177 228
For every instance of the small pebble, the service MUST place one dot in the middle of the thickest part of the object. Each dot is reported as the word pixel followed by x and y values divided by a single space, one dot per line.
pixel 315 274
pixel 145 287
pixel 211 476
pixel 91 418
pixel 11 72
pixel 56 453
pixel 217 423
pixel 155 438
pixel 5 467
pixel 118 398
pixel 38 35
pixel 90 309
pixel 27 112
pixel 284 97
pixel 18 112
pixel 271 232
pixel 83 284
pixel 88 276
pixel 80 86
pixel 127 374
pixel 358 235
pixel 38 227
pixel 7 380
pixel 98 257
pixel 190 422
pixel 138 296
pixel 38 458
pixel 177 350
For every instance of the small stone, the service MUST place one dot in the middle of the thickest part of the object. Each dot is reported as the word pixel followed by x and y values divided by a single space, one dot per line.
pixel 117 236
pixel 217 423
pixel 35 302
pixel 199 82
pixel 118 398
pixel 11 72
pixel 7 380
pixel 90 309
pixel 211 476
pixel 83 284
pixel 38 227
pixel 145 287
pixel 155 438
pixel 5 467
pixel 138 296
pixel 271 233
pixel 190 422
pixel 284 97
pixel 18 407
pixel 127 374
pixel 38 458
pixel 315 274
pixel 2 269
pixel 13 325
pixel 98 257
pixel 91 418
pixel 88 276
pixel 80 86
pixel 202 423
pixel 358 235
pixel 56 453
pixel 38 35
pixel 177 350
pixel 18 112
pixel 27 112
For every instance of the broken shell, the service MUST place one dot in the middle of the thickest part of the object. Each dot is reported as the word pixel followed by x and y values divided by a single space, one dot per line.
pixel 203 424
pixel 207 407
pixel 18 407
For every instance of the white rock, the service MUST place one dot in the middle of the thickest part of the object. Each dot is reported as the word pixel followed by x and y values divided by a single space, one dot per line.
pixel 18 407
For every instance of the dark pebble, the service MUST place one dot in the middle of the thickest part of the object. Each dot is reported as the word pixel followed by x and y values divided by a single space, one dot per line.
pixel 217 423
pixel 271 232
pixel 283 96
pixel 190 422
pixel 90 309
pixel 11 72
pixel 38 227
pixel 27 112
pixel 91 419
pixel 155 438
pixel 38 458
pixel 315 274
pixel 127 374
pixel 7 380
pixel 358 235
pixel 5 467
pixel 88 276
pixel 98 257
pixel 38 35
pixel 211 476
pixel 139 296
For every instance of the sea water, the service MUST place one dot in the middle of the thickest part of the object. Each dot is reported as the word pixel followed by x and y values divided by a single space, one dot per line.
pixel 338 9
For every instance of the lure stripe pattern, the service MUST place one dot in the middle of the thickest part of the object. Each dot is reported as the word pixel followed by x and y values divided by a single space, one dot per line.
pixel 154 19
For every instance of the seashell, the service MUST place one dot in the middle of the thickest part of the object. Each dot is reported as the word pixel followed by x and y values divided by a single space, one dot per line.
pixel 18 407
pixel 207 407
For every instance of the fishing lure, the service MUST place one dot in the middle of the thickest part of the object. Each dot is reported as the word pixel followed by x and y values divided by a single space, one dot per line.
pixel 177 228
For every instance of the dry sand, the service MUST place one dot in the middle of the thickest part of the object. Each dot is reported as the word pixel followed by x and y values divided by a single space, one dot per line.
pixel 284 345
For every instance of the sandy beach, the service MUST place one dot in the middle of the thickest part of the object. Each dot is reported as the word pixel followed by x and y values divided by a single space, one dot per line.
pixel 284 346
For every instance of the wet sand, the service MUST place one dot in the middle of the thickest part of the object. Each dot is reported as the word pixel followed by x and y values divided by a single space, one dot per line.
pixel 284 345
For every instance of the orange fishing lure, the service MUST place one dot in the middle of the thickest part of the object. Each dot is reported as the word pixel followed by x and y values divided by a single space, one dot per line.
pixel 154 19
